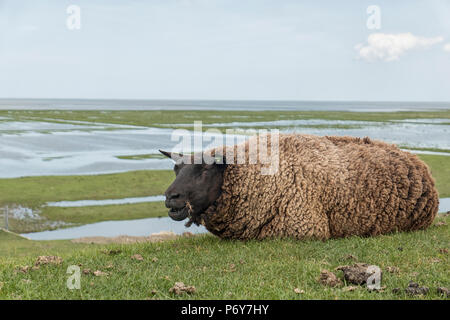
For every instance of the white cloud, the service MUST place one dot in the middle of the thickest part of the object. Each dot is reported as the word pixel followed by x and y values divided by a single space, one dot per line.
pixel 447 47
pixel 389 47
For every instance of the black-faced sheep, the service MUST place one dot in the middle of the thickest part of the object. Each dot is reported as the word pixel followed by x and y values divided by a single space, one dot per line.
pixel 325 187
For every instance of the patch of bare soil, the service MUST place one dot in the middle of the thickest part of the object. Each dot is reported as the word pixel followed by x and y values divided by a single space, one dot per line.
pixel 155 237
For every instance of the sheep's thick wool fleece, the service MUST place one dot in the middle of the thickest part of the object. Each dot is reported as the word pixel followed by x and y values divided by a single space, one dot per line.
pixel 325 187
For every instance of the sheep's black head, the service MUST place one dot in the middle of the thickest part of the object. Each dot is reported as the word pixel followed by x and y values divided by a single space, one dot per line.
pixel 196 186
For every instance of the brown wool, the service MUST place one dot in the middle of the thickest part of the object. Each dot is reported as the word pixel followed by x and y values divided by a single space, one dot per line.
pixel 326 187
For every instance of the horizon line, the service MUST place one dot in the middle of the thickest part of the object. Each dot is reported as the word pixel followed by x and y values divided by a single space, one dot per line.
pixel 225 100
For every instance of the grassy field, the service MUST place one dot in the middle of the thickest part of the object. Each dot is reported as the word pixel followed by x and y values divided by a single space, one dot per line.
pixel 34 192
pixel 440 169
pixel 221 269
pixel 218 269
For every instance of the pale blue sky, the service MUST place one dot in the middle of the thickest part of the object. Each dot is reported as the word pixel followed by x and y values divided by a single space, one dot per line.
pixel 224 49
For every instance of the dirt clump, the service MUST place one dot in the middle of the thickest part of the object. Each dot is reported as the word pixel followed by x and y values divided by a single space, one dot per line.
pixel 112 252
pixel 349 257
pixel 350 288
pixel 99 273
pixel 413 288
pixel 443 291
pixel 41 260
pixel 357 273
pixel 393 269
pixel 179 288
pixel 87 271
pixel 328 278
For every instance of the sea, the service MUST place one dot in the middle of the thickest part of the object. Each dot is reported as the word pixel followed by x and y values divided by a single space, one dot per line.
pixel 253 105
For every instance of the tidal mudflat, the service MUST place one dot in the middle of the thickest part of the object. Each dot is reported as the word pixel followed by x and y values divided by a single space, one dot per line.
pixel 66 143
pixel 45 147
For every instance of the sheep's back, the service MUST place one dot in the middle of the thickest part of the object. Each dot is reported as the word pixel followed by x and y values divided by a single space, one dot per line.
pixel 325 187
pixel 386 189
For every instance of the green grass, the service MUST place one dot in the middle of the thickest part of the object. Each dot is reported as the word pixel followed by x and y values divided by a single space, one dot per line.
pixel 161 118
pixel 35 191
pixel 268 269
pixel 16 248
pixel 440 169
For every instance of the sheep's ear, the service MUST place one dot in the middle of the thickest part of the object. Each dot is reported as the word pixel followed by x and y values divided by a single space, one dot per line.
pixel 172 155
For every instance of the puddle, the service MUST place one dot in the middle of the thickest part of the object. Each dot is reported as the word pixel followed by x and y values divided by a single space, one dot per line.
pixel 22 213
pixel 139 227
pixel 85 203
pixel 444 204
pixel 28 219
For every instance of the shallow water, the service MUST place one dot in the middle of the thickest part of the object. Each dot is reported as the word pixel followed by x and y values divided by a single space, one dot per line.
pixel 68 149
pixel 425 133
pixel 444 204
pixel 139 227
pixel 39 126
pixel 86 203
pixel 75 152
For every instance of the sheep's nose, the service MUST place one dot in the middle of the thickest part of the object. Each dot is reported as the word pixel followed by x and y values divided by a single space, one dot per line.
pixel 171 199
pixel 172 196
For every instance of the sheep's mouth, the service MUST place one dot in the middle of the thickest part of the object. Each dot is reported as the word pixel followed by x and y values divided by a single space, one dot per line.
pixel 178 214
